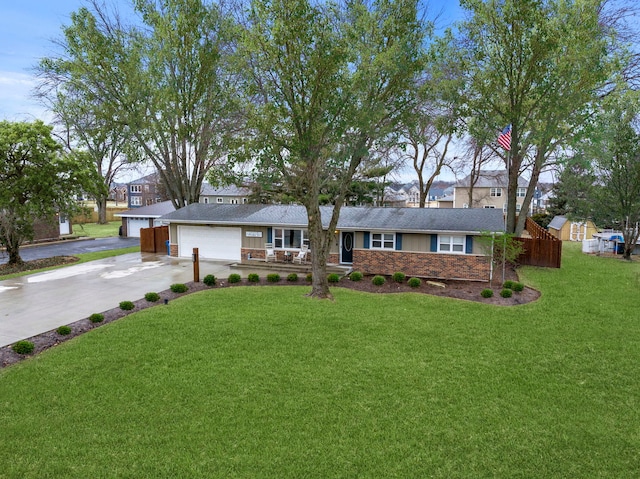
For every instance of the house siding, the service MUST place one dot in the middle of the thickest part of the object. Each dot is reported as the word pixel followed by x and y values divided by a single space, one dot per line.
pixel 426 265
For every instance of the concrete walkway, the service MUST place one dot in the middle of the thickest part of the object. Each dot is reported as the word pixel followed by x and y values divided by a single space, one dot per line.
pixel 40 302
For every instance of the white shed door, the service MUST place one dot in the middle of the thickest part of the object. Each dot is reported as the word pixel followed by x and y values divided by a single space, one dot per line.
pixel 212 242
pixel 134 225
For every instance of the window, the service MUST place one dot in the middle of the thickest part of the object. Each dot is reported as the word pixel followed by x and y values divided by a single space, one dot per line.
pixel 234 201
pixel 136 201
pixel 521 192
pixel 285 238
pixel 205 200
pixel 383 241
pixel 496 192
pixel 451 244
pixel 219 200
pixel 245 201
pixel 150 201
pixel 488 206
pixel 136 188
pixel 146 188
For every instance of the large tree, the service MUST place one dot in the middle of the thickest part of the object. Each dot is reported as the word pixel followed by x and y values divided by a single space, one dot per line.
pixel 326 80
pixel 36 181
pixel 537 65
pixel 165 78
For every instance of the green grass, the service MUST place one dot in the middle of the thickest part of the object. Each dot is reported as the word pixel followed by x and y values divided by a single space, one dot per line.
pixel 94 230
pixel 82 257
pixel 264 382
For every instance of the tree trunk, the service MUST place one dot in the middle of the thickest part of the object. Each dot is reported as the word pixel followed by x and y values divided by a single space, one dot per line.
pixel 101 203
pixel 319 243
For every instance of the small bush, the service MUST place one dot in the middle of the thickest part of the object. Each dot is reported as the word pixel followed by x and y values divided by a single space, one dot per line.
pixel 179 288
pixel 292 277
pixel 378 280
pixel 209 280
pixel 63 330
pixel 96 318
pixel 508 284
pixel 506 293
pixel 23 347
pixel 356 276
pixel 518 287
pixel 152 297
pixel 126 305
pixel 273 277
pixel 253 278
pixel 486 293
pixel 399 277
pixel 234 278
pixel 309 277
pixel 333 278
pixel 414 282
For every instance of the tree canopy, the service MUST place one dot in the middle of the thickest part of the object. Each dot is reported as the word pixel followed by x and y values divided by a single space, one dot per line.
pixel 37 181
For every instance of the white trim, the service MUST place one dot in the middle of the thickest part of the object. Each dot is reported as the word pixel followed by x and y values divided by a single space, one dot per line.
pixel 451 244
pixel 383 241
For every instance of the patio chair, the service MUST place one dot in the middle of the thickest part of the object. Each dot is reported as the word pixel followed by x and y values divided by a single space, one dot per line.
pixel 269 253
pixel 301 256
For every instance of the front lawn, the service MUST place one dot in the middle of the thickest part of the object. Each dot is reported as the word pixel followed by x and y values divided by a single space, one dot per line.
pixel 264 382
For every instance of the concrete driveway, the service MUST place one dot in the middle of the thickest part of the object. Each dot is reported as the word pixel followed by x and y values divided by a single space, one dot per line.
pixel 40 302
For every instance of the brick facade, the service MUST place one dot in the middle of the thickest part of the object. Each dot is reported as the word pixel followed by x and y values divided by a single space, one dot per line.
pixel 173 248
pixel 425 265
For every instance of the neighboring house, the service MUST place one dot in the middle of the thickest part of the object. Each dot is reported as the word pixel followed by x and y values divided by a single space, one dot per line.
pixel 233 195
pixel 408 194
pixel 489 191
pixel 144 191
pixel 566 230
pixel 144 217
pixel 118 193
pixel 608 241
pixel 423 242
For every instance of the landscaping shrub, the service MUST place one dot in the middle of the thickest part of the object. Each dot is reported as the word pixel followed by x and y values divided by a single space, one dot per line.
pixel 508 284
pixel 273 277
pixel 63 330
pixel 127 305
pixel 253 278
pixel 333 278
pixel 486 293
pixel 309 278
pixel 378 280
pixel 399 277
pixel 292 277
pixel 23 347
pixel 414 282
pixel 96 318
pixel 209 280
pixel 179 288
pixel 506 293
pixel 234 278
pixel 518 287
pixel 356 276
pixel 152 297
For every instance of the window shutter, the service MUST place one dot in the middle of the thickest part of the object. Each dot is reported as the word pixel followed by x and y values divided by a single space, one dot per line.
pixel 434 243
pixel 469 244
pixel 269 235
pixel 366 240
pixel 398 241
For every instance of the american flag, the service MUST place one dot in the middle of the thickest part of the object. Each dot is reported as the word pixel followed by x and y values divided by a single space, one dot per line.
pixel 504 139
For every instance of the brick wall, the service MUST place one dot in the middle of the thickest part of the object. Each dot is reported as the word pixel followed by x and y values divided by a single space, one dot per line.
pixel 173 248
pixel 426 265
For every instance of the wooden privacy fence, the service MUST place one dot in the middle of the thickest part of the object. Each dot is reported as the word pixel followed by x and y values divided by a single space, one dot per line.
pixel 154 240
pixel 542 249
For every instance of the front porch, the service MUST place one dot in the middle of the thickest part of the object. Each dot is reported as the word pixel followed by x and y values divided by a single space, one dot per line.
pixel 284 268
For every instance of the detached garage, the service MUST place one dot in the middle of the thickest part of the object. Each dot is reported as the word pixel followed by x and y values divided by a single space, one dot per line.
pixel 135 219
pixel 218 243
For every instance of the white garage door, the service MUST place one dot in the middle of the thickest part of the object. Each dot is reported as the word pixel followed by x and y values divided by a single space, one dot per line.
pixel 212 242
pixel 134 225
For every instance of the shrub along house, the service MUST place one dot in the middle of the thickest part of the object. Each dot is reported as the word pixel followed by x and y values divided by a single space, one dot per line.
pixel 431 243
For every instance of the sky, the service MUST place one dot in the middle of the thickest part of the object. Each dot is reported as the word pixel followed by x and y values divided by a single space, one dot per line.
pixel 27 31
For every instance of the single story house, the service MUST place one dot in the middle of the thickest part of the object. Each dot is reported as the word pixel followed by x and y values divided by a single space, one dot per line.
pixel 143 217
pixel 425 242
pixel 566 230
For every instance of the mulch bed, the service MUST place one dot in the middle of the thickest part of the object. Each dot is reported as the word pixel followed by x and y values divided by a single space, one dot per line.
pixel 464 290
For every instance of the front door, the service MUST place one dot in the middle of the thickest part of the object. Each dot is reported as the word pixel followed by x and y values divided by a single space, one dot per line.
pixel 346 250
